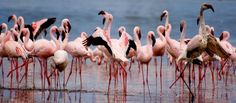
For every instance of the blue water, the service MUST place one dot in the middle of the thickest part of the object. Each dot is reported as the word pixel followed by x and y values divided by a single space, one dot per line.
pixel 129 13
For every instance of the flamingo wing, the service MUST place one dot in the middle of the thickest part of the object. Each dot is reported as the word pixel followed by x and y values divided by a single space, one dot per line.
pixel 214 47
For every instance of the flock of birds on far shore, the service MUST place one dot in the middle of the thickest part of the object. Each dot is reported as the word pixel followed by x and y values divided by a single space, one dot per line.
pixel 21 41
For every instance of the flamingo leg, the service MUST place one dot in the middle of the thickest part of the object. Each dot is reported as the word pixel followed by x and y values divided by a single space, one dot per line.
pixel 147 81
pixel 2 72
pixel 76 69
pixel 109 82
pixel 80 72
pixel 70 71
pixel 130 64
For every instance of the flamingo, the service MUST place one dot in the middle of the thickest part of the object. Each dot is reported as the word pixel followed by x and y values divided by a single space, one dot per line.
pixel 200 43
pixel 44 49
pixel 3 54
pixel 116 50
pixel 13 49
pixel 160 45
pixel 131 52
pixel 173 46
pixel 145 53
pixel 77 50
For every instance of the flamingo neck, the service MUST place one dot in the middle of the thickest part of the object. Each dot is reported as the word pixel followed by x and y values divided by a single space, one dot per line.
pixel 6 38
pixel 136 39
pixel 54 40
pixel 167 21
pixel 161 35
pixel 182 36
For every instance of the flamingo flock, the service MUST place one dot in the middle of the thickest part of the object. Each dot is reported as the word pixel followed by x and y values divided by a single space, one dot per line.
pixel 22 41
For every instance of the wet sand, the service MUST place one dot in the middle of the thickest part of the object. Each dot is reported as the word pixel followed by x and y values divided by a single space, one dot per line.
pixel 95 83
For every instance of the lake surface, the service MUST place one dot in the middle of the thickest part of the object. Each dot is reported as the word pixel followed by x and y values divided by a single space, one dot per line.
pixel 83 15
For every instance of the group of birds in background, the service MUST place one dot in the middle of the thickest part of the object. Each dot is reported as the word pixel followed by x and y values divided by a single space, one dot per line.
pixel 21 41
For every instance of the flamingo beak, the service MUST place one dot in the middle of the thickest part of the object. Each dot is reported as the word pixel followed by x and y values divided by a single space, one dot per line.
pixel 221 36
pixel 153 40
pixel 198 20
pixel 103 21
pixel 101 12
pixel 120 33
pixel 0 28
pixel 209 6
pixel 10 18
pixel 139 35
pixel 181 27
pixel 162 15
pixel 212 32
pixel 63 35
pixel 69 26
pixel 58 33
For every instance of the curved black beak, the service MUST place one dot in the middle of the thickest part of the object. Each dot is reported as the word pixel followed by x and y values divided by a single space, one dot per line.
pixel 103 21
pixel 153 40
pixel 69 26
pixel 57 33
pixel 120 33
pixel 198 20
pixel 212 32
pixel 63 35
pixel 0 29
pixel 209 6
pixel 162 15
pixel 139 35
pixel 21 36
pixel 101 12
pixel 164 33
pixel 221 36
pixel 9 18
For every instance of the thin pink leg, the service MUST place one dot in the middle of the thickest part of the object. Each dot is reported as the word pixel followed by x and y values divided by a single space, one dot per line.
pixel 70 71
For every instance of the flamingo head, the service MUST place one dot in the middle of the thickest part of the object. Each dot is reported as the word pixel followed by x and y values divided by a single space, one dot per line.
pixel 212 31
pixel 137 30
pixel 151 35
pixel 206 6
pixel 224 35
pixel 66 24
pixel 120 30
pixel 12 17
pixel 3 26
pixel 164 14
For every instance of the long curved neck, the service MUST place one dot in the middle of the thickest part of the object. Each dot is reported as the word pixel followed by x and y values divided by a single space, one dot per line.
pixel 6 38
pixel 107 27
pixel 182 36
pixel 26 42
pixel 167 20
pixel 136 39
pixel 160 35
pixel 65 41
pixel 202 28
pixel 54 40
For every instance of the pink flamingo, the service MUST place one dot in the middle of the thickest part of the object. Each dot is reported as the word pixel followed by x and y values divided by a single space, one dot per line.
pixel 43 49
pixel 145 53
pixel 131 52
pixel 116 50
pixel 77 50
pixel 160 45
pixel 13 49
pixel 3 54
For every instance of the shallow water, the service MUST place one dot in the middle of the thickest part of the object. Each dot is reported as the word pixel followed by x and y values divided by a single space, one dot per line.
pixel 95 84
pixel 83 16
